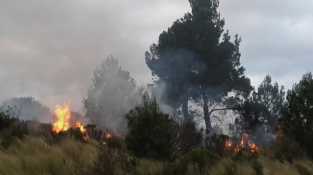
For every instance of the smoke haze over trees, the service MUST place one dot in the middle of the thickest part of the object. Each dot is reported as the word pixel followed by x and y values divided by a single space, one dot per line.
pixel 27 108
pixel 112 94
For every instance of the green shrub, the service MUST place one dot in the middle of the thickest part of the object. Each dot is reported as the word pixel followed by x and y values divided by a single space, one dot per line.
pixel 152 134
pixel 10 129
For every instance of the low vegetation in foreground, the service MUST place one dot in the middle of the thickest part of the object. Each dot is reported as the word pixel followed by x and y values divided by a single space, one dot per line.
pixel 32 153
pixel 35 156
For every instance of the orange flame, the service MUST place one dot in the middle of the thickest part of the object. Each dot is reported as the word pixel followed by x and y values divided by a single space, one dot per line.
pixel 245 144
pixel 228 144
pixel 81 127
pixel 63 122
pixel 62 116
pixel 108 136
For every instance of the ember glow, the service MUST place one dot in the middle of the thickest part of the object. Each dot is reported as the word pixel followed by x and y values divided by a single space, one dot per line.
pixel 108 136
pixel 81 127
pixel 245 145
pixel 62 119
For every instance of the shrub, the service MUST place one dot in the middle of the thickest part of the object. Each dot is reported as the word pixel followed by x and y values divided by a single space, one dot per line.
pixel 10 129
pixel 152 134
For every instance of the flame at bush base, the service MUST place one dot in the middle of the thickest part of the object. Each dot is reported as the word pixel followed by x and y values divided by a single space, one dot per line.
pixel 81 127
pixel 245 145
pixel 62 116
pixel 63 121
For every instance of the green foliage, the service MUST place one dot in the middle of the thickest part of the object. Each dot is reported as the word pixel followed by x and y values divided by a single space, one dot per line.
pixel 196 59
pixel 6 121
pixel 264 107
pixel 151 133
pixel 10 129
pixel 298 123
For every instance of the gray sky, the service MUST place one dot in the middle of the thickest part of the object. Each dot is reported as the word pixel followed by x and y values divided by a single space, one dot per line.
pixel 48 48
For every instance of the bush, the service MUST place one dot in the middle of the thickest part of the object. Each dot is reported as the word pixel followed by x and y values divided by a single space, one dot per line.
pixel 152 134
pixel 10 129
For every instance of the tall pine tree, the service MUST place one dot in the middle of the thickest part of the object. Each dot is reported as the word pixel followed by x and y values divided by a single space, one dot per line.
pixel 196 59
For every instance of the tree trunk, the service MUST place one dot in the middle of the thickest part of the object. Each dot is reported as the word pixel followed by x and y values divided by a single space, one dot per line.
pixel 206 112
pixel 185 108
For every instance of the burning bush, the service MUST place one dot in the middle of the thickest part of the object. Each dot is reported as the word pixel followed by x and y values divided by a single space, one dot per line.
pixel 65 123
pixel 245 145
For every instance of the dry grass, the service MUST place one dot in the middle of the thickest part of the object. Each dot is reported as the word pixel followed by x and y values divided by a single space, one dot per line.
pixel 267 167
pixel 33 156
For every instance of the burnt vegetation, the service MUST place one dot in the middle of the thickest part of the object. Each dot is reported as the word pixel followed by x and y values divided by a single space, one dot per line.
pixel 157 130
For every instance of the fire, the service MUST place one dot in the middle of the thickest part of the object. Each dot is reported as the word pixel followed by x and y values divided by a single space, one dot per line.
pixel 228 144
pixel 108 136
pixel 81 127
pixel 244 145
pixel 62 119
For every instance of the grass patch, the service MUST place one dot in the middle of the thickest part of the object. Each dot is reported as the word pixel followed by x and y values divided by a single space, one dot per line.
pixel 33 156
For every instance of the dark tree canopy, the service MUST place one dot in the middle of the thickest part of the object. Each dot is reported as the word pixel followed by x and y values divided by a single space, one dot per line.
pixel 264 107
pixel 196 59
pixel 298 123
pixel 152 134
pixel 271 96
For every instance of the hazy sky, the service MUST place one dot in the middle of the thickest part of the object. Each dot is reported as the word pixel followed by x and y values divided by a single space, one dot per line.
pixel 49 48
